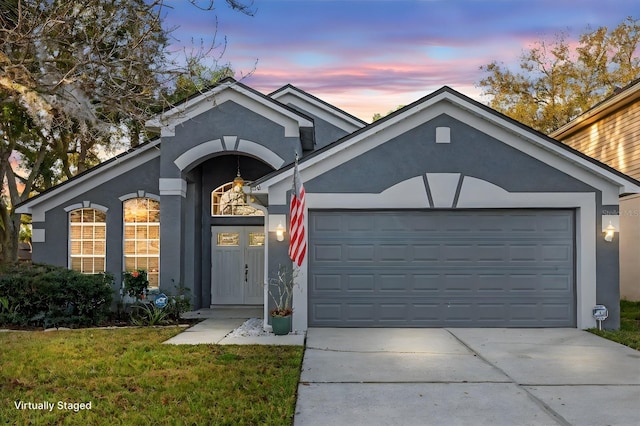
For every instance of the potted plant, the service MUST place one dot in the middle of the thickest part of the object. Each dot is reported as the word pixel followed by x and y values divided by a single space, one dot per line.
pixel 136 283
pixel 281 292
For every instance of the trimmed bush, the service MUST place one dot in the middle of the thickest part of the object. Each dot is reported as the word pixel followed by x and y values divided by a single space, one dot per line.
pixel 53 296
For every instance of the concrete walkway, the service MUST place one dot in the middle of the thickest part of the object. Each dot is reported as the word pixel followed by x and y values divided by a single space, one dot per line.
pixel 219 322
pixel 467 377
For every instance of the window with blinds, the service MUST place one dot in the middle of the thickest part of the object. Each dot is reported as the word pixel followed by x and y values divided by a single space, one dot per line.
pixel 142 237
pixel 87 240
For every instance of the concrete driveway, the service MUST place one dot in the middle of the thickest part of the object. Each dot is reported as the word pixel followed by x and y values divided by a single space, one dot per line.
pixel 466 377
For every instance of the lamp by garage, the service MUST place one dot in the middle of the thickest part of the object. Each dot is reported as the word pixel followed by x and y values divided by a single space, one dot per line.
pixel 280 232
pixel 609 232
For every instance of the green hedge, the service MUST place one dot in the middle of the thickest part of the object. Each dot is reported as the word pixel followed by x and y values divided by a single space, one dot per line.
pixel 53 296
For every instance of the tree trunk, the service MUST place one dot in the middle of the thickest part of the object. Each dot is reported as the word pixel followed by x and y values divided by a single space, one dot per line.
pixel 9 235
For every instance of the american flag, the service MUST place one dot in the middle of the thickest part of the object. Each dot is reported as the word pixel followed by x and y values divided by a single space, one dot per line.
pixel 297 242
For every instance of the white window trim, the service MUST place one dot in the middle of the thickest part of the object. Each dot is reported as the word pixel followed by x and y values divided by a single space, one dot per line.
pixel 131 196
pixel 81 206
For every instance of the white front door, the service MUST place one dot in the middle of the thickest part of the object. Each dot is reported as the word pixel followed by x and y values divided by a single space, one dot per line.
pixel 237 265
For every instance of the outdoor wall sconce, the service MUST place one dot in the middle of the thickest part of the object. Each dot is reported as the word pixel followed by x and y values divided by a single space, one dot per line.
pixel 280 232
pixel 609 233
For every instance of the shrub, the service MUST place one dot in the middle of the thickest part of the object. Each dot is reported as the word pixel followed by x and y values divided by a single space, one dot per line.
pixel 53 296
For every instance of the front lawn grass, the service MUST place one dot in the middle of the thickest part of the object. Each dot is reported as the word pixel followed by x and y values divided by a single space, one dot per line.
pixel 629 333
pixel 130 378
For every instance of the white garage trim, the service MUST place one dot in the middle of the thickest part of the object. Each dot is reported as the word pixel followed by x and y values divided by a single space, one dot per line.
pixel 443 188
pixel 476 193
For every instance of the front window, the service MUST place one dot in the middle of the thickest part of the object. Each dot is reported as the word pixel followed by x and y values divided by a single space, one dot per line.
pixel 142 237
pixel 87 240
pixel 230 200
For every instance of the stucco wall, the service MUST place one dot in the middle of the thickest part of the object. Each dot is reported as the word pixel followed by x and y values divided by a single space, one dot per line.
pixel 227 119
pixel 54 250
pixel 470 152
pixel 325 132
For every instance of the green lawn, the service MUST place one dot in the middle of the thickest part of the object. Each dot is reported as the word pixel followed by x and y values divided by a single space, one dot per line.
pixel 130 378
pixel 629 333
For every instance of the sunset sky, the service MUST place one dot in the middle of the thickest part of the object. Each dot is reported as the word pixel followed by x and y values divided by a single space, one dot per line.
pixel 368 56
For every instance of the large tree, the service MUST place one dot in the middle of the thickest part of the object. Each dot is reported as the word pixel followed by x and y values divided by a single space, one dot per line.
pixel 78 77
pixel 560 79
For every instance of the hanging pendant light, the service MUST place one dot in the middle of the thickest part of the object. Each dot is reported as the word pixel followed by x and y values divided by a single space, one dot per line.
pixel 238 182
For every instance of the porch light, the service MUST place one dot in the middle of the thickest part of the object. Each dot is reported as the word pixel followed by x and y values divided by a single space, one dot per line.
pixel 238 182
pixel 280 232
pixel 609 232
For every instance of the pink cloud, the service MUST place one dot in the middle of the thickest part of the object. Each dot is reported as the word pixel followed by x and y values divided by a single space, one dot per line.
pixel 370 59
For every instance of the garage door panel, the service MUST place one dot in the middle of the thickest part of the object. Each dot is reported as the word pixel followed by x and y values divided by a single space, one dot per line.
pixel 455 314
pixel 491 252
pixel 426 283
pixel 556 253
pixel 503 268
pixel 556 223
pixel 358 283
pixel 327 313
pixel 323 283
pixel 326 224
pixel 393 311
pixel 327 253
pixel 390 283
pixel 426 252
pixel 360 223
pixel 558 283
pixel 523 252
pixel 361 279
pixel 393 252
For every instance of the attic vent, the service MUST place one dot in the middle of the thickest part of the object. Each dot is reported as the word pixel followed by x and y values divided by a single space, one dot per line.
pixel 443 135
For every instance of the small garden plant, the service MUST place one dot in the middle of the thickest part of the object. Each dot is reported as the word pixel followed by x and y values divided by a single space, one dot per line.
pixel 136 283
pixel 281 291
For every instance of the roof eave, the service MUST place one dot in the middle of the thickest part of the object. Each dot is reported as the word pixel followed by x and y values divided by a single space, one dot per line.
pixel 181 112
pixel 625 183
pixel 610 105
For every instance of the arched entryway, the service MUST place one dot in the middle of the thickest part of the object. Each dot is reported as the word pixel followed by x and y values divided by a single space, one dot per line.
pixel 233 234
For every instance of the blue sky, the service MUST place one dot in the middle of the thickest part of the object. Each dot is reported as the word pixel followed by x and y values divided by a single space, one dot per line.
pixel 368 56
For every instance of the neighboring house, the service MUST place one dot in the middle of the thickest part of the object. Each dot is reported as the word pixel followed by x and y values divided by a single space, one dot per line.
pixel 610 132
pixel 444 213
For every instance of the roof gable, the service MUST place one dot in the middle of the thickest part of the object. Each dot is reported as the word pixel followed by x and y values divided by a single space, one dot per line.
pixel 450 102
pixel 290 94
pixel 230 90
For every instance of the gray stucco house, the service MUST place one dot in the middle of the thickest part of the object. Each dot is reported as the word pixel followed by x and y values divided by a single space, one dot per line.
pixel 444 213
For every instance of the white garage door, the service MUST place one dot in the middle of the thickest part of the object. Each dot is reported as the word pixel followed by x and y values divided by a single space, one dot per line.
pixel 471 268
